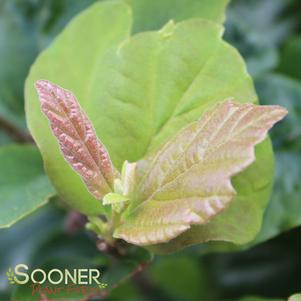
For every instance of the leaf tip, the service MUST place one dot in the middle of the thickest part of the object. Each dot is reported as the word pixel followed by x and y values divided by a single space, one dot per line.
pixel 42 85
pixel 282 112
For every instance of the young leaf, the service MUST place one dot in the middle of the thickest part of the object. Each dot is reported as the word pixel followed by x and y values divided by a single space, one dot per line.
pixel 76 135
pixel 189 180
pixel 159 82
pixel 76 66
pixel 114 198
pixel 128 177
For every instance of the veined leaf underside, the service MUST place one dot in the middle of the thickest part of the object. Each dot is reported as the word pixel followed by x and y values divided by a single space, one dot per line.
pixel 77 138
pixel 189 180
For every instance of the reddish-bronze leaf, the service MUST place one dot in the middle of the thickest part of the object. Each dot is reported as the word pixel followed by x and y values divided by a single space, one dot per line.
pixel 189 180
pixel 77 138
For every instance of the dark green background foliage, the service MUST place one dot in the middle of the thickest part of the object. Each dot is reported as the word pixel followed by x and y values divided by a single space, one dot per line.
pixel 268 35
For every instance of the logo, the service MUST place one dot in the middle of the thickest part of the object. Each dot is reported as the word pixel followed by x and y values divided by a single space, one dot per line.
pixel 57 281
pixel 10 276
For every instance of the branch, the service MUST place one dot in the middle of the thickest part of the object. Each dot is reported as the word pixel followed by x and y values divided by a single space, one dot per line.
pixel 133 274
pixel 15 133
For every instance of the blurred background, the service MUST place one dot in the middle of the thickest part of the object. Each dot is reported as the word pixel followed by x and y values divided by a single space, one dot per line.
pixel 268 35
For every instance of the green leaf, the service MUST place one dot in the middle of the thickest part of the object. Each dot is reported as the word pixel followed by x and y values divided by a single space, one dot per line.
pixel 157 84
pixel 72 61
pixel 24 186
pixel 161 81
pixel 151 15
pixel 296 297
pixel 290 58
pixel 189 180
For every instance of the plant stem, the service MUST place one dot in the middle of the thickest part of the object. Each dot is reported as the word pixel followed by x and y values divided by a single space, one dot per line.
pixel 133 274
pixel 15 133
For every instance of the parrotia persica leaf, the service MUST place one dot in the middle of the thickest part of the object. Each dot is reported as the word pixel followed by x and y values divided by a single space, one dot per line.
pixel 189 180
pixel 73 61
pixel 114 198
pixel 141 92
pixel 128 176
pixel 77 138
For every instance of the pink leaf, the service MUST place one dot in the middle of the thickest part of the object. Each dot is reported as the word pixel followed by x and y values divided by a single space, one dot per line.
pixel 77 138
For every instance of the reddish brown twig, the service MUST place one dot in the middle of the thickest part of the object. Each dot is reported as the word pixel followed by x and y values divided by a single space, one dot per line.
pixel 137 270
pixel 15 133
